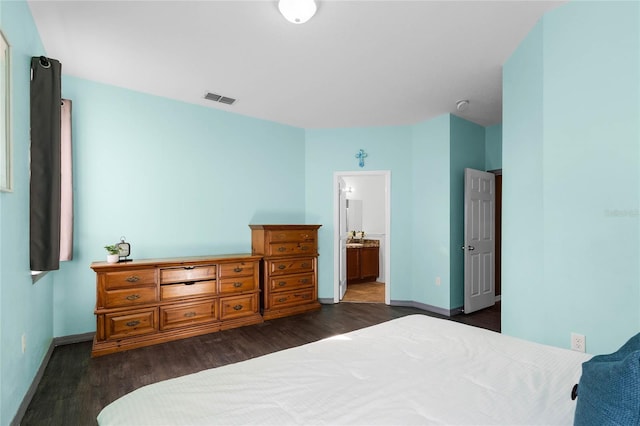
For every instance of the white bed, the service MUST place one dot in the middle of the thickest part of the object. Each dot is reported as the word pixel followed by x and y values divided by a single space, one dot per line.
pixel 412 370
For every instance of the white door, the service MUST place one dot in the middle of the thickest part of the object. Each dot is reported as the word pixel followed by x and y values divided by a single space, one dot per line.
pixel 479 245
pixel 342 226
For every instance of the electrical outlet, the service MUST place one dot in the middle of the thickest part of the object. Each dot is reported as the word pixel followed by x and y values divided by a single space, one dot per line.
pixel 578 342
pixel 24 343
pixel 437 280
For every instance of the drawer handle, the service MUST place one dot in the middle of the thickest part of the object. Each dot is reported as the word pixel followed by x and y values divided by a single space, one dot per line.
pixel 132 323
pixel 303 248
pixel 304 280
pixel 189 314
pixel 281 249
pixel 305 265
pixel 282 299
pixel 302 296
pixel 237 307
pixel 237 284
pixel 281 266
pixel 238 269
pixel 282 283
pixel 133 297
pixel 305 236
pixel 190 283
pixel 133 279
pixel 188 268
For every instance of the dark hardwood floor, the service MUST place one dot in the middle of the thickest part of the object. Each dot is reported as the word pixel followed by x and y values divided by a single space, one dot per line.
pixel 75 387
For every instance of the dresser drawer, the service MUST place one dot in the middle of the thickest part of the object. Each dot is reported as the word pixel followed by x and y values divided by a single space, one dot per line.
pixel 131 323
pixel 290 282
pixel 191 314
pixel 130 297
pixel 237 285
pixel 183 290
pixel 292 298
pixel 187 273
pixel 276 249
pixel 293 235
pixel 237 269
pixel 238 306
pixel 130 278
pixel 290 266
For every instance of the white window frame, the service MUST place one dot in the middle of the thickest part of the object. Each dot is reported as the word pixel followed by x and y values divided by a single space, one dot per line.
pixel 6 169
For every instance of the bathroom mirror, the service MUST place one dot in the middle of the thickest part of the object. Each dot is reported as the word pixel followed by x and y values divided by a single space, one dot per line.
pixel 354 215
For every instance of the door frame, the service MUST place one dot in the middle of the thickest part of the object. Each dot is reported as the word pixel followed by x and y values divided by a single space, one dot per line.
pixel 498 271
pixel 342 236
pixel 387 230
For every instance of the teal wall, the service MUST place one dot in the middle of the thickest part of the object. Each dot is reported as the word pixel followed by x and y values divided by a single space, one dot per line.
pixel 467 149
pixel 522 190
pixel 571 154
pixel 333 150
pixel 430 245
pixel 24 308
pixel 427 162
pixel 493 147
pixel 174 178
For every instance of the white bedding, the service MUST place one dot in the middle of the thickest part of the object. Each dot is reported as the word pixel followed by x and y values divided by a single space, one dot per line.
pixel 412 370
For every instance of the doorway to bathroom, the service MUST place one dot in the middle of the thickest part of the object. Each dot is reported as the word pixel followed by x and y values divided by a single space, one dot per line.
pixel 361 237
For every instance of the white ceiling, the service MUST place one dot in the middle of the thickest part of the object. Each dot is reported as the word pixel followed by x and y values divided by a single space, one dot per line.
pixel 355 63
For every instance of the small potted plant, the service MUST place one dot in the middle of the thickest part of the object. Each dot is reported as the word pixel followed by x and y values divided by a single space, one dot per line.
pixel 113 255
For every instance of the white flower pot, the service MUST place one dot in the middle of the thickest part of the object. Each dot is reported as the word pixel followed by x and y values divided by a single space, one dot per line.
pixel 113 258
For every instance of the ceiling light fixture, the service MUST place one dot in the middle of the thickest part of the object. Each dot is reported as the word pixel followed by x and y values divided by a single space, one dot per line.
pixel 297 11
pixel 462 105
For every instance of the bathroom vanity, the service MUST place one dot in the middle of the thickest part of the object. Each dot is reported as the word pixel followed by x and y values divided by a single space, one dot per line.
pixel 363 261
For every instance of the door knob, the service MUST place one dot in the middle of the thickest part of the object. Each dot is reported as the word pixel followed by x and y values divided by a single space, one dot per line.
pixel 470 248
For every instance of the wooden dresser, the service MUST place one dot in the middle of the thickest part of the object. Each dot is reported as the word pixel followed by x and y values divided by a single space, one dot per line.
pixel 289 270
pixel 149 301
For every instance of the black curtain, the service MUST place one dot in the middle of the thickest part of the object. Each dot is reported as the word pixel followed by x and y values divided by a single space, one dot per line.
pixel 45 164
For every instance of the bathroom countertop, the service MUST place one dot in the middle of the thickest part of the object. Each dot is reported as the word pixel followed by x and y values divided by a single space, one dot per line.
pixel 353 243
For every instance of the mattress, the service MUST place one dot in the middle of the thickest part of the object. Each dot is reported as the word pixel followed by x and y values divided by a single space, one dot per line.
pixel 411 370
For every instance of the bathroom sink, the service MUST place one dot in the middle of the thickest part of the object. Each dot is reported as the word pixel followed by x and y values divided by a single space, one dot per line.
pixel 354 245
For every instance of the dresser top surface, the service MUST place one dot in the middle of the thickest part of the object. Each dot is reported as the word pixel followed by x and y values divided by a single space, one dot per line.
pixel 174 261
pixel 281 227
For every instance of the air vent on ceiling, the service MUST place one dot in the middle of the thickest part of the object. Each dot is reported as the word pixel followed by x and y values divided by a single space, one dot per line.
pixel 226 100
pixel 212 96
pixel 219 98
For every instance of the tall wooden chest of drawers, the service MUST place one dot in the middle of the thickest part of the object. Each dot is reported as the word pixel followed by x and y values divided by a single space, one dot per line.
pixel 289 269
pixel 149 301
